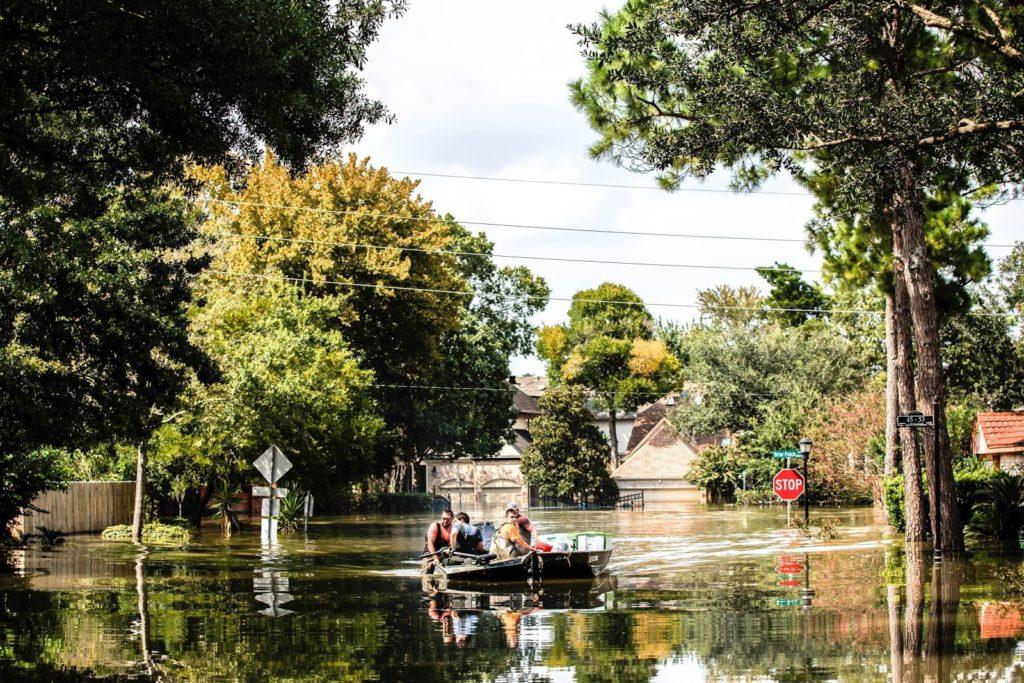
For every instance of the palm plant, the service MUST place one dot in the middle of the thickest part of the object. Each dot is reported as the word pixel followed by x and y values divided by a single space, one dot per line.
pixel 220 508
pixel 291 511
pixel 999 508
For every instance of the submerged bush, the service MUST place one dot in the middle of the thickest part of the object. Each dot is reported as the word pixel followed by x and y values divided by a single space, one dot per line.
pixel 156 533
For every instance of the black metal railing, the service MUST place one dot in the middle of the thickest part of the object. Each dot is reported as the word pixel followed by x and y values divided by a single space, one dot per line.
pixel 630 501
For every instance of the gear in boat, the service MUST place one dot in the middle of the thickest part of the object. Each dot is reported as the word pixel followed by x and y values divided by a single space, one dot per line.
pixel 512 556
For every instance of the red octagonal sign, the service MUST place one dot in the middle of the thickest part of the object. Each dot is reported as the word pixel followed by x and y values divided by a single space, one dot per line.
pixel 788 484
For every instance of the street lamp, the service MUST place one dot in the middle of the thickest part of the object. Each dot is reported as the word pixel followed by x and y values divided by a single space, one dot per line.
pixel 805 450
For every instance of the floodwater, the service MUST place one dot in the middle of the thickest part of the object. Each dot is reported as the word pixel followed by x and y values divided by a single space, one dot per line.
pixel 696 593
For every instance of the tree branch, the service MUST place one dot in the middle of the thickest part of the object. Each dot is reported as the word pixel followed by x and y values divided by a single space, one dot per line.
pixel 966 127
pixel 980 36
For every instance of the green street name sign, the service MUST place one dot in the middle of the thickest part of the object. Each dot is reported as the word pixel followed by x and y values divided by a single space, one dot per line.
pixel 790 453
pixel 788 603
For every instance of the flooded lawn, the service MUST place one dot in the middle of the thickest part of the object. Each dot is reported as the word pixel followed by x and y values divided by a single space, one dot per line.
pixel 693 594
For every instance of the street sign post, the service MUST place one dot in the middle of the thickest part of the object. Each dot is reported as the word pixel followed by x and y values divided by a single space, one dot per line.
pixel 786 454
pixel 788 484
pixel 273 465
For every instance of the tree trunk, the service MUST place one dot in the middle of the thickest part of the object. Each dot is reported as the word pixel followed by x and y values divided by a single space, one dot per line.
pixel 918 270
pixel 892 442
pixel 913 502
pixel 201 503
pixel 613 437
pixel 140 493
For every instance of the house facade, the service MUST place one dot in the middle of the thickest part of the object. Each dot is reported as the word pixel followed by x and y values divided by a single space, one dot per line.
pixel 998 439
pixel 658 458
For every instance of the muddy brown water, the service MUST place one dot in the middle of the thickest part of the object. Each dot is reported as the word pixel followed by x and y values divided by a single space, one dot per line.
pixel 696 593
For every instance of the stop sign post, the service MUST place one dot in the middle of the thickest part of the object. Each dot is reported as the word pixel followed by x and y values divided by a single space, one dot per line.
pixel 788 484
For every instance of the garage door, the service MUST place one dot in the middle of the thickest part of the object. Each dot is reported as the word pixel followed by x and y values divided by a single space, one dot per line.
pixel 461 496
pixel 494 499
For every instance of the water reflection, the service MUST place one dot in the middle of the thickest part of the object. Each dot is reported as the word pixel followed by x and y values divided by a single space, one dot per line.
pixel 271 584
pixel 709 609
pixel 457 613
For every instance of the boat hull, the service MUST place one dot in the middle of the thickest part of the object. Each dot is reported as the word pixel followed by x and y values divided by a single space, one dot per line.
pixel 578 564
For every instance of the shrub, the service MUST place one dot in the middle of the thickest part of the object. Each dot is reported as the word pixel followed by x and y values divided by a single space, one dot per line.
pixel 755 497
pixel 893 495
pixel 999 508
pixel 155 533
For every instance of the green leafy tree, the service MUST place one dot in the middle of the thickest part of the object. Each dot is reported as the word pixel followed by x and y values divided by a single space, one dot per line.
pixel 718 472
pixel 790 291
pixel 111 92
pixel 93 329
pixel 22 476
pixel 345 244
pixel 727 304
pixel 568 457
pixel 609 351
pixel 288 377
pixel 984 362
pixel 1011 278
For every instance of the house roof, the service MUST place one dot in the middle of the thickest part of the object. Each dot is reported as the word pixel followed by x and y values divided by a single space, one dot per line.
pixel 521 438
pixel 663 453
pixel 1002 430
pixel 528 388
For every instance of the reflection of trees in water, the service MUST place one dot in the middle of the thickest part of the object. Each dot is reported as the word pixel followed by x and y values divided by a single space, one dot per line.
pixel 200 624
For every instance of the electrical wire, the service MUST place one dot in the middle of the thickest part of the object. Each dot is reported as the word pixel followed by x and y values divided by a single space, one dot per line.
pixel 527 226
pixel 457 292
pixel 577 183
pixel 561 259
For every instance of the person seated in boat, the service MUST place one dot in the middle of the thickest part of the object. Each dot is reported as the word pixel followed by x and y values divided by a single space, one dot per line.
pixel 508 540
pixel 527 529
pixel 466 538
pixel 439 537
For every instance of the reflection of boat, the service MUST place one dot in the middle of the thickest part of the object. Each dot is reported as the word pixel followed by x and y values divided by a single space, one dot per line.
pixel 574 594
pixel 576 564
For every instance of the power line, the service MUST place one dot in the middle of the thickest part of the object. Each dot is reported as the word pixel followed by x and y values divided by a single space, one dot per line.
pixel 528 226
pixel 576 183
pixel 653 304
pixel 561 259
pixel 581 390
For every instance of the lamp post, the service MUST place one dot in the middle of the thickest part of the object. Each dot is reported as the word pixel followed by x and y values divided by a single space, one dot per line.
pixel 805 450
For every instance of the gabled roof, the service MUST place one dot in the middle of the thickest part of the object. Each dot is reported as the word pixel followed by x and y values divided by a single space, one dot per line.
pixel 1001 430
pixel 663 453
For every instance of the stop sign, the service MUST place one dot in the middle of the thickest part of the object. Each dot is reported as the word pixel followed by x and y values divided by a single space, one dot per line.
pixel 788 484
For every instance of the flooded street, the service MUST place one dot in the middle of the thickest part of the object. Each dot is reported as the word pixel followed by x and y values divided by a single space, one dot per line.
pixel 693 594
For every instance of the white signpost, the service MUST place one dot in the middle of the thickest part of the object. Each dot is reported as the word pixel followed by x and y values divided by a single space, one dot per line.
pixel 272 465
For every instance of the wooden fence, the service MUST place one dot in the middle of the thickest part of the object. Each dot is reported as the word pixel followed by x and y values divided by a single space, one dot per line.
pixel 87 506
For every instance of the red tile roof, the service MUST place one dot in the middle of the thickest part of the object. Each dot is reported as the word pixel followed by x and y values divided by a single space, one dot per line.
pixel 1002 430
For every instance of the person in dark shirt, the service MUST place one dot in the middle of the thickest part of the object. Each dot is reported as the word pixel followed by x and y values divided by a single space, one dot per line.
pixel 466 538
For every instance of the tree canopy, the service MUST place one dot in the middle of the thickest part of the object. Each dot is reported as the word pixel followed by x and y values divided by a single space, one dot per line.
pixel 110 92
pixel 609 350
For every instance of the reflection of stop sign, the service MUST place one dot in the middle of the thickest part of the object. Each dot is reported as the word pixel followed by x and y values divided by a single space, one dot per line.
pixel 788 484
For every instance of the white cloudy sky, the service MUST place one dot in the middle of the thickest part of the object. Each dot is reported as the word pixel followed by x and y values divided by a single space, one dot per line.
pixel 480 88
